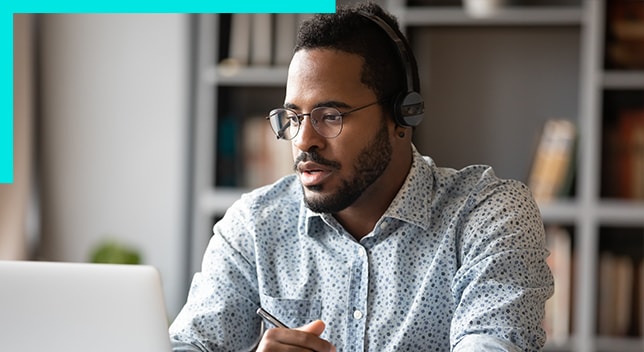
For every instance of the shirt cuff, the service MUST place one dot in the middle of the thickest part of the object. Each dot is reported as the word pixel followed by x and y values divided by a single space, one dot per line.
pixel 487 343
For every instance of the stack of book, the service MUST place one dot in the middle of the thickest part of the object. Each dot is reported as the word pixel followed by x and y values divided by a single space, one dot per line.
pixel 624 156
pixel 265 158
pixel 615 296
pixel 260 39
pixel 625 34
pixel 558 308
pixel 553 163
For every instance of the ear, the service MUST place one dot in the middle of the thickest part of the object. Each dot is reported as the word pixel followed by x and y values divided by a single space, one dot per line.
pixel 402 132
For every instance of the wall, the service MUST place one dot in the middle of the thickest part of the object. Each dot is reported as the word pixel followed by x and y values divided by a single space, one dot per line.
pixel 113 138
pixel 14 197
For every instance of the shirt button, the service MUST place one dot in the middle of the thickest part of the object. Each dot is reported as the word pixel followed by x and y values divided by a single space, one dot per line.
pixel 357 314
pixel 383 225
pixel 362 252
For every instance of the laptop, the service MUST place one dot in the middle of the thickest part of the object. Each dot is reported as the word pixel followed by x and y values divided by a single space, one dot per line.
pixel 70 307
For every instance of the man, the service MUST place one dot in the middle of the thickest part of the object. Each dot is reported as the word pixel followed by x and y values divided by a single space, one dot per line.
pixel 369 246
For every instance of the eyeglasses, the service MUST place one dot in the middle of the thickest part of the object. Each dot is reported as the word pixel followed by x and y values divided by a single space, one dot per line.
pixel 327 121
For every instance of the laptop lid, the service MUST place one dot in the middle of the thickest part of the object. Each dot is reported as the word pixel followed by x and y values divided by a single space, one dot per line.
pixel 56 307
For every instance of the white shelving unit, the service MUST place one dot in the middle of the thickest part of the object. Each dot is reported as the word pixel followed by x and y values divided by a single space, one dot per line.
pixel 569 36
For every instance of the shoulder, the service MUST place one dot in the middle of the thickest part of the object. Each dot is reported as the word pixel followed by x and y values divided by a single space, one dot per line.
pixel 456 192
pixel 282 197
pixel 478 189
pixel 259 212
pixel 286 190
pixel 478 181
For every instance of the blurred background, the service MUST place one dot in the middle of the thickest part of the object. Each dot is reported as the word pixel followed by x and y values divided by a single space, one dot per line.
pixel 101 111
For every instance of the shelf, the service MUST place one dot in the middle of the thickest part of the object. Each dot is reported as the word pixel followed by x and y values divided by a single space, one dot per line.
pixel 516 16
pixel 607 344
pixel 244 76
pixel 621 212
pixel 217 200
pixel 625 344
pixel 608 212
pixel 603 344
pixel 559 211
pixel 623 80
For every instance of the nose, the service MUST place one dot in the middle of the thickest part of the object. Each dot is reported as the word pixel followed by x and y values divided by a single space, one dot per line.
pixel 308 137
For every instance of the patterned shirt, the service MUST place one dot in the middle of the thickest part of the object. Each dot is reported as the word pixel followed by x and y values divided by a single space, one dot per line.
pixel 456 261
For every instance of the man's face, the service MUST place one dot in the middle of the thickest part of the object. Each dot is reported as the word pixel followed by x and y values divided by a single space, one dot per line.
pixel 335 172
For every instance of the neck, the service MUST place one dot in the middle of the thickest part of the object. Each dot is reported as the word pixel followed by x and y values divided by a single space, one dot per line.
pixel 361 217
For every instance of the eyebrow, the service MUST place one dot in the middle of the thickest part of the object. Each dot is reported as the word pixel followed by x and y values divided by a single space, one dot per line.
pixel 329 103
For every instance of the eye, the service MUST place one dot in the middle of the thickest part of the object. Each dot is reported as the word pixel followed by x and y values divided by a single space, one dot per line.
pixel 330 115
pixel 293 119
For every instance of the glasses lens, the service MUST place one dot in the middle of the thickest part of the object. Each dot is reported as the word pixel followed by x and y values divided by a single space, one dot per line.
pixel 284 123
pixel 327 121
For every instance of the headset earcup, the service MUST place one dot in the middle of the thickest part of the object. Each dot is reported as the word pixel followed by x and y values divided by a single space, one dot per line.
pixel 409 109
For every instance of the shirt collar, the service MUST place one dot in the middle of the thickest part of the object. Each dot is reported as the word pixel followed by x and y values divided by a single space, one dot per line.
pixel 410 204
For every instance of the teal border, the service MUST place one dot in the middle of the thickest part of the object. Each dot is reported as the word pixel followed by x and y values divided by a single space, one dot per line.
pixel 6 96
pixel 175 6
pixel 8 8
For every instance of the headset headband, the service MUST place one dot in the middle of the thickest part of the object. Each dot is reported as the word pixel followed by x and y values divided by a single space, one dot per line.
pixel 402 50
pixel 409 106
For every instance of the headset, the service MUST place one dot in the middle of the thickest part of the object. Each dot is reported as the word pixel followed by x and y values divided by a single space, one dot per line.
pixel 409 106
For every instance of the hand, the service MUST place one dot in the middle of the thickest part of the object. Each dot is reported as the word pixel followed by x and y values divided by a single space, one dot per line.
pixel 305 338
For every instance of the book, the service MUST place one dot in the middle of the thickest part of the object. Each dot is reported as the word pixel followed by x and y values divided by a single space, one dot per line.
pixel 631 154
pixel 261 39
pixel 606 294
pixel 227 149
pixel 265 158
pixel 558 308
pixel 640 297
pixel 240 37
pixel 285 32
pixel 615 294
pixel 611 155
pixel 625 34
pixel 553 162
pixel 623 295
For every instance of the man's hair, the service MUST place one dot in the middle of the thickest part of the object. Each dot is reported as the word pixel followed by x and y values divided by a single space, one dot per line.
pixel 349 31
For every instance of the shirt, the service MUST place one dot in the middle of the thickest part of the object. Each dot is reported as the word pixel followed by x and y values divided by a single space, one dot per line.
pixel 457 260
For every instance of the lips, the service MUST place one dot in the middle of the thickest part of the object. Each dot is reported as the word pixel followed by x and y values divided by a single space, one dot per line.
pixel 312 174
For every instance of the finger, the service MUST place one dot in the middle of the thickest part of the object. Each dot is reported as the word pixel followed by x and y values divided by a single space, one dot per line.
pixel 280 339
pixel 315 327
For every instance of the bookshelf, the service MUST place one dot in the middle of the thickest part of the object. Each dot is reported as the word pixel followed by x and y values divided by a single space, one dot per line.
pixel 502 77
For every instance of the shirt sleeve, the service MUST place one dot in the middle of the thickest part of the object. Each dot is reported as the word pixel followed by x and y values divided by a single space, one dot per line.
pixel 486 343
pixel 219 314
pixel 504 280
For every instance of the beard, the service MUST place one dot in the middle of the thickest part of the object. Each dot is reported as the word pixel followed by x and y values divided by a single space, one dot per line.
pixel 371 162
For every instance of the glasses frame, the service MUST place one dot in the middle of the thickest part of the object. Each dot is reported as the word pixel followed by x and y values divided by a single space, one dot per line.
pixel 300 117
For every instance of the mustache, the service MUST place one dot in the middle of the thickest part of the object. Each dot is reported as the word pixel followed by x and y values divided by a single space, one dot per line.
pixel 316 158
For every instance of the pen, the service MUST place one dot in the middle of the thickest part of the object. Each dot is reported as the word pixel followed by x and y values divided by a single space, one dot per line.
pixel 270 318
